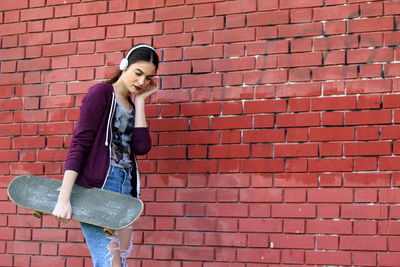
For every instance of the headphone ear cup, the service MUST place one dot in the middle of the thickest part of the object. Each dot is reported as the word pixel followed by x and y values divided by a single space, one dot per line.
pixel 124 64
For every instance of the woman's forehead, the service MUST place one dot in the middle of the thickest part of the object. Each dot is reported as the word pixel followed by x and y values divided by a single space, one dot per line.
pixel 147 68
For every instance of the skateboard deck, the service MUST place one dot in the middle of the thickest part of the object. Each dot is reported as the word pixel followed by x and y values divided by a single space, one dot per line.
pixel 110 210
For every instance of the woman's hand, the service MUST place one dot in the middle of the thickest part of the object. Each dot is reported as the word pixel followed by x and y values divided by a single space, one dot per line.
pixel 62 211
pixel 151 89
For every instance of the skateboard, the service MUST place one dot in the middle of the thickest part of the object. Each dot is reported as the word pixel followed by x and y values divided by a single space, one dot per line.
pixel 110 210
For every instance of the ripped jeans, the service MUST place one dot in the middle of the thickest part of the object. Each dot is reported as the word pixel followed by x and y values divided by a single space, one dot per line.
pixel 101 247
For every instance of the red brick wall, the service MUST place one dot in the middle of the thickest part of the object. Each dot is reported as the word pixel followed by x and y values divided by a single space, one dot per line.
pixel 275 135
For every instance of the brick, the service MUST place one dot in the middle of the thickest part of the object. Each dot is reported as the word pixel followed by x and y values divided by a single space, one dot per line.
pixel 229 151
pixel 267 47
pixel 332 119
pixel 166 96
pixel 57 102
pixel 13 28
pixel 198 166
pixel 293 211
pixel 235 35
pixel 258 255
pixel 295 180
pixel 368 117
pixel 201 80
pixel 143 29
pixel 71 249
pixel 33 64
pixel 300 60
pixel 266 76
pixel 363 243
pixel 298 120
pixel 88 34
pixel 300 15
pixel 31 248
pixel 204 254
pixel 29 142
pixel 295 150
pixel 371 24
pixel 241 6
pixel 388 163
pixel 333 103
pixel 237 122
pixel 204 24
pixel 31 116
pixel 300 4
pixel 86 61
pixel 199 224
pixel 330 195
pixel 200 109
pixel 368 149
pixel 336 12
pixel 296 30
pixel 369 102
pixel 268 135
pixel 389 258
pixel 388 196
pixel 364 212
pixel 300 89
pixel 170 13
pixel 234 64
pixel 172 40
pixel 330 165
pixel 328 258
pixel 268 18
pixel 7 5
pixel 89 8
pixel 366 180
pixel 335 73
pixel 370 55
pixel 365 164
pixel 261 195
pixel 300 75
pixel 292 241
pixel 33 39
pixel 264 106
pixel 166 238
pixel 226 239
pixel 136 5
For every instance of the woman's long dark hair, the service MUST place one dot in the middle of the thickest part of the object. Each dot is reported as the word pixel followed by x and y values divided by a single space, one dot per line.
pixel 140 54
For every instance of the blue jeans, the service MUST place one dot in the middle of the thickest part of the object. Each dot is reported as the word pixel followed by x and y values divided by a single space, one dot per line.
pixel 118 180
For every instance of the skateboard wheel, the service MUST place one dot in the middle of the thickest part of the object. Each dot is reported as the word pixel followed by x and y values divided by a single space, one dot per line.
pixel 37 214
pixel 108 232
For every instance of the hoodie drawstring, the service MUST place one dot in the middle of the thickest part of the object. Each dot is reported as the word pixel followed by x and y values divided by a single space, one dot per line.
pixel 110 115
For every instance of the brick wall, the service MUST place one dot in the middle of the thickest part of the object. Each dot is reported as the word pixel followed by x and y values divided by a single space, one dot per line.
pixel 275 135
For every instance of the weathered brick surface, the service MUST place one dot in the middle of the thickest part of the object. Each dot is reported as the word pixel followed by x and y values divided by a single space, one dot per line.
pixel 275 134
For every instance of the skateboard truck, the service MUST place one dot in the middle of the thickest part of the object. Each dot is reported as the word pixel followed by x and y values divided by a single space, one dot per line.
pixel 37 214
pixel 108 231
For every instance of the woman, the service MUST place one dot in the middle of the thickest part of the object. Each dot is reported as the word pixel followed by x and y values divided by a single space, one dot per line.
pixel 110 131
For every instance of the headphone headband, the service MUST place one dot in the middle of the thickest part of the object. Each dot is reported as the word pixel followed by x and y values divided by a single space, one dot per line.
pixel 124 62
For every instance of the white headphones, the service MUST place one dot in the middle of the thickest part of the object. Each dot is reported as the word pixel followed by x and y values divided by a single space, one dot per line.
pixel 124 62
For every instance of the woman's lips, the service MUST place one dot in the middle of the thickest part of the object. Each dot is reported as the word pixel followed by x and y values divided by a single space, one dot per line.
pixel 137 88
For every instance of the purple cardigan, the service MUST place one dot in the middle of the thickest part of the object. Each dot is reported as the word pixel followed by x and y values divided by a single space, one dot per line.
pixel 89 152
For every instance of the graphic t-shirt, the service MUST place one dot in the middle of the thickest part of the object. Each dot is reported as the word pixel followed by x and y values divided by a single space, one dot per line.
pixel 122 136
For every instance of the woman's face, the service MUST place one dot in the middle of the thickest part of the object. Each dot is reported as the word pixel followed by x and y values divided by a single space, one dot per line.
pixel 138 76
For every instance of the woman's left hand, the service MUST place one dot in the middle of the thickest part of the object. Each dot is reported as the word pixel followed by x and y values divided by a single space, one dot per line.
pixel 151 89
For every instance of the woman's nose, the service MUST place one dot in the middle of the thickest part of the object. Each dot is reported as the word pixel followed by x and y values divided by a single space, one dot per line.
pixel 141 80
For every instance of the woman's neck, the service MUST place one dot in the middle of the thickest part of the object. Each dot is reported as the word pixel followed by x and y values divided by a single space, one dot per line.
pixel 120 90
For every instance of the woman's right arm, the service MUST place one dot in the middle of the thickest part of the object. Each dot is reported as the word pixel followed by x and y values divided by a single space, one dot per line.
pixel 63 209
pixel 93 105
